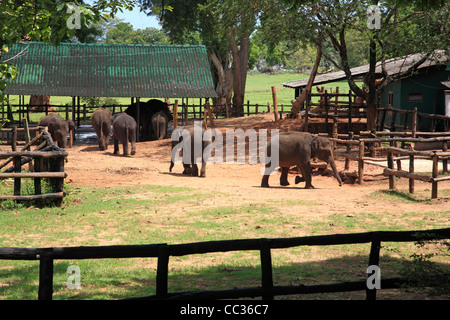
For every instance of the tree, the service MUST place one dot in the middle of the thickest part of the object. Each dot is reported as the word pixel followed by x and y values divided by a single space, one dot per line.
pixel 224 26
pixel 405 27
pixel 49 21
pixel 124 33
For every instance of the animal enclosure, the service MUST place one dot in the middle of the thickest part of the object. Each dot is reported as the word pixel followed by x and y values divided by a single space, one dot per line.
pixel 46 161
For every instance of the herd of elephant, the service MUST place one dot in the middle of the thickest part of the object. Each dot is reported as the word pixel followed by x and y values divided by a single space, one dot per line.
pixel 154 117
pixel 296 149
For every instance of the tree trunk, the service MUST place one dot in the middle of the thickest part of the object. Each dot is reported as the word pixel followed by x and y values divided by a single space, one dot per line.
pixel 224 86
pixel 240 64
pixel 301 99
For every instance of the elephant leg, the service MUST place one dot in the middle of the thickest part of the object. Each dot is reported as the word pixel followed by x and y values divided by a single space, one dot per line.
pixel 187 169
pixel 283 179
pixel 126 152
pixel 203 170
pixel 195 170
pixel 299 179
pixel 171 166
pixel 116 146
pixel 265 178
pixel 306 172
pixel 133 148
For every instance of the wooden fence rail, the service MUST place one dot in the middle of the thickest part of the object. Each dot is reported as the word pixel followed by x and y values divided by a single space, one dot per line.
pixel 363 149
pixel 434 179
pixel 268 290
pixel 46 156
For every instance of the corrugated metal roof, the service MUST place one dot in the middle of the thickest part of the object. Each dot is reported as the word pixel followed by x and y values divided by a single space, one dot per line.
pixel 111 70
pixel 393 66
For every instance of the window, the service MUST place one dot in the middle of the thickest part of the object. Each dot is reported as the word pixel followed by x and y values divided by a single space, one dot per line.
pixel 390 99
pixel 415 97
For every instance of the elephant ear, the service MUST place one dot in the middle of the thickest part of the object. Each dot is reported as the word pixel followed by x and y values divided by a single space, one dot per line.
pixel 71 125
pixel 314 146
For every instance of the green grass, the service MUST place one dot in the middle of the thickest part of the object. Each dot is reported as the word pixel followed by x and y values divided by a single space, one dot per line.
pixel 147 214
pixel 258 91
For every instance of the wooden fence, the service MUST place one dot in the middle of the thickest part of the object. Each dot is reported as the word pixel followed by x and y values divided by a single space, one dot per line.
pixel 46 156
pixel 334 106
pixel 267 290
pixel 434 178
pixel 361 148
pixel 411 120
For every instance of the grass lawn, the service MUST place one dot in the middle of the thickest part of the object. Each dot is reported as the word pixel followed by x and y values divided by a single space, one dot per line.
pixel 153 214
pixel 258 91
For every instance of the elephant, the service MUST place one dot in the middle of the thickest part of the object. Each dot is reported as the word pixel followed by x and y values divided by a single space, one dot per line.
pixel 160 122
pixel 297 149
pixel 58 128
pixel 181 137
pixel 124 131
pixel 146 111
pixel 101 123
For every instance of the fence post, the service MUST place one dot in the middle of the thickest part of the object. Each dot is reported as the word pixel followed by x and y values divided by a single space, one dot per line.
pixel 17 181
pixel 45 274
pixel 175 114
pixel 390 162
pixel 361 162
pixel 434 184
pixel 350 127
pixel 275 104
pixel 162 272
pixel 411 170
pixel 266 270
pixel 374 259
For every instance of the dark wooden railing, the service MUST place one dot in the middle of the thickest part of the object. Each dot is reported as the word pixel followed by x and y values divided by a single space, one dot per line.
pixel 267 291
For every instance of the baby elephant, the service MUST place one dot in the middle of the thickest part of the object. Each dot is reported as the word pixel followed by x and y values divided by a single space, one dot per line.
pixel 297 149
pixel 124 130
pixel 101 123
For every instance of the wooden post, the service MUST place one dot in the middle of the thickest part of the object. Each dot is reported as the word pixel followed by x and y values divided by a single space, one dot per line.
pixel 349 124
pixel 275 104
pixel 45 275
pixel 374 260
pixel 414 123
pixel 17 168
pixel 27 138
pixel 162 272
pixel 14 138
pixel 390 162
pixel 327 110
pixel 266 269
pixel 175 114
pixel 138 120
pixel 445 161
pixel 348 150
pixel 434 184
pixel 411 170
pixel 361 162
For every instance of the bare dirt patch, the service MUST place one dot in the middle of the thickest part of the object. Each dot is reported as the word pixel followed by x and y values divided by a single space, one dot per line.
pixel 87 165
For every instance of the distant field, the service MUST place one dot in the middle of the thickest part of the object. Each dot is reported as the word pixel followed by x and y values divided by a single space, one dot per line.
pixel 258 91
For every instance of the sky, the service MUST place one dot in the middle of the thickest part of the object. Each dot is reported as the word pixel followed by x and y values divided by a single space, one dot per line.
pixel 139 20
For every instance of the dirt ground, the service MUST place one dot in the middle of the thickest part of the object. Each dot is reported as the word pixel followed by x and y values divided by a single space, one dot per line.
pixel 87 165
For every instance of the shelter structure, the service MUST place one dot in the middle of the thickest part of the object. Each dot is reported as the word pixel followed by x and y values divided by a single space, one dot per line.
pixel 110 70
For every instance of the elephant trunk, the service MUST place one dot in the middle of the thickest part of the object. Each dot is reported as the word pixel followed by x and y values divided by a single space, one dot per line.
pixel 333 167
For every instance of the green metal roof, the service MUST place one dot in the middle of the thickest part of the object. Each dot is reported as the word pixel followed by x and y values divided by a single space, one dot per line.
pixel 111 70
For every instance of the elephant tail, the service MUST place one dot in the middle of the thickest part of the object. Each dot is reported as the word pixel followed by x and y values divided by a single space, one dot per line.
pixel 158 133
